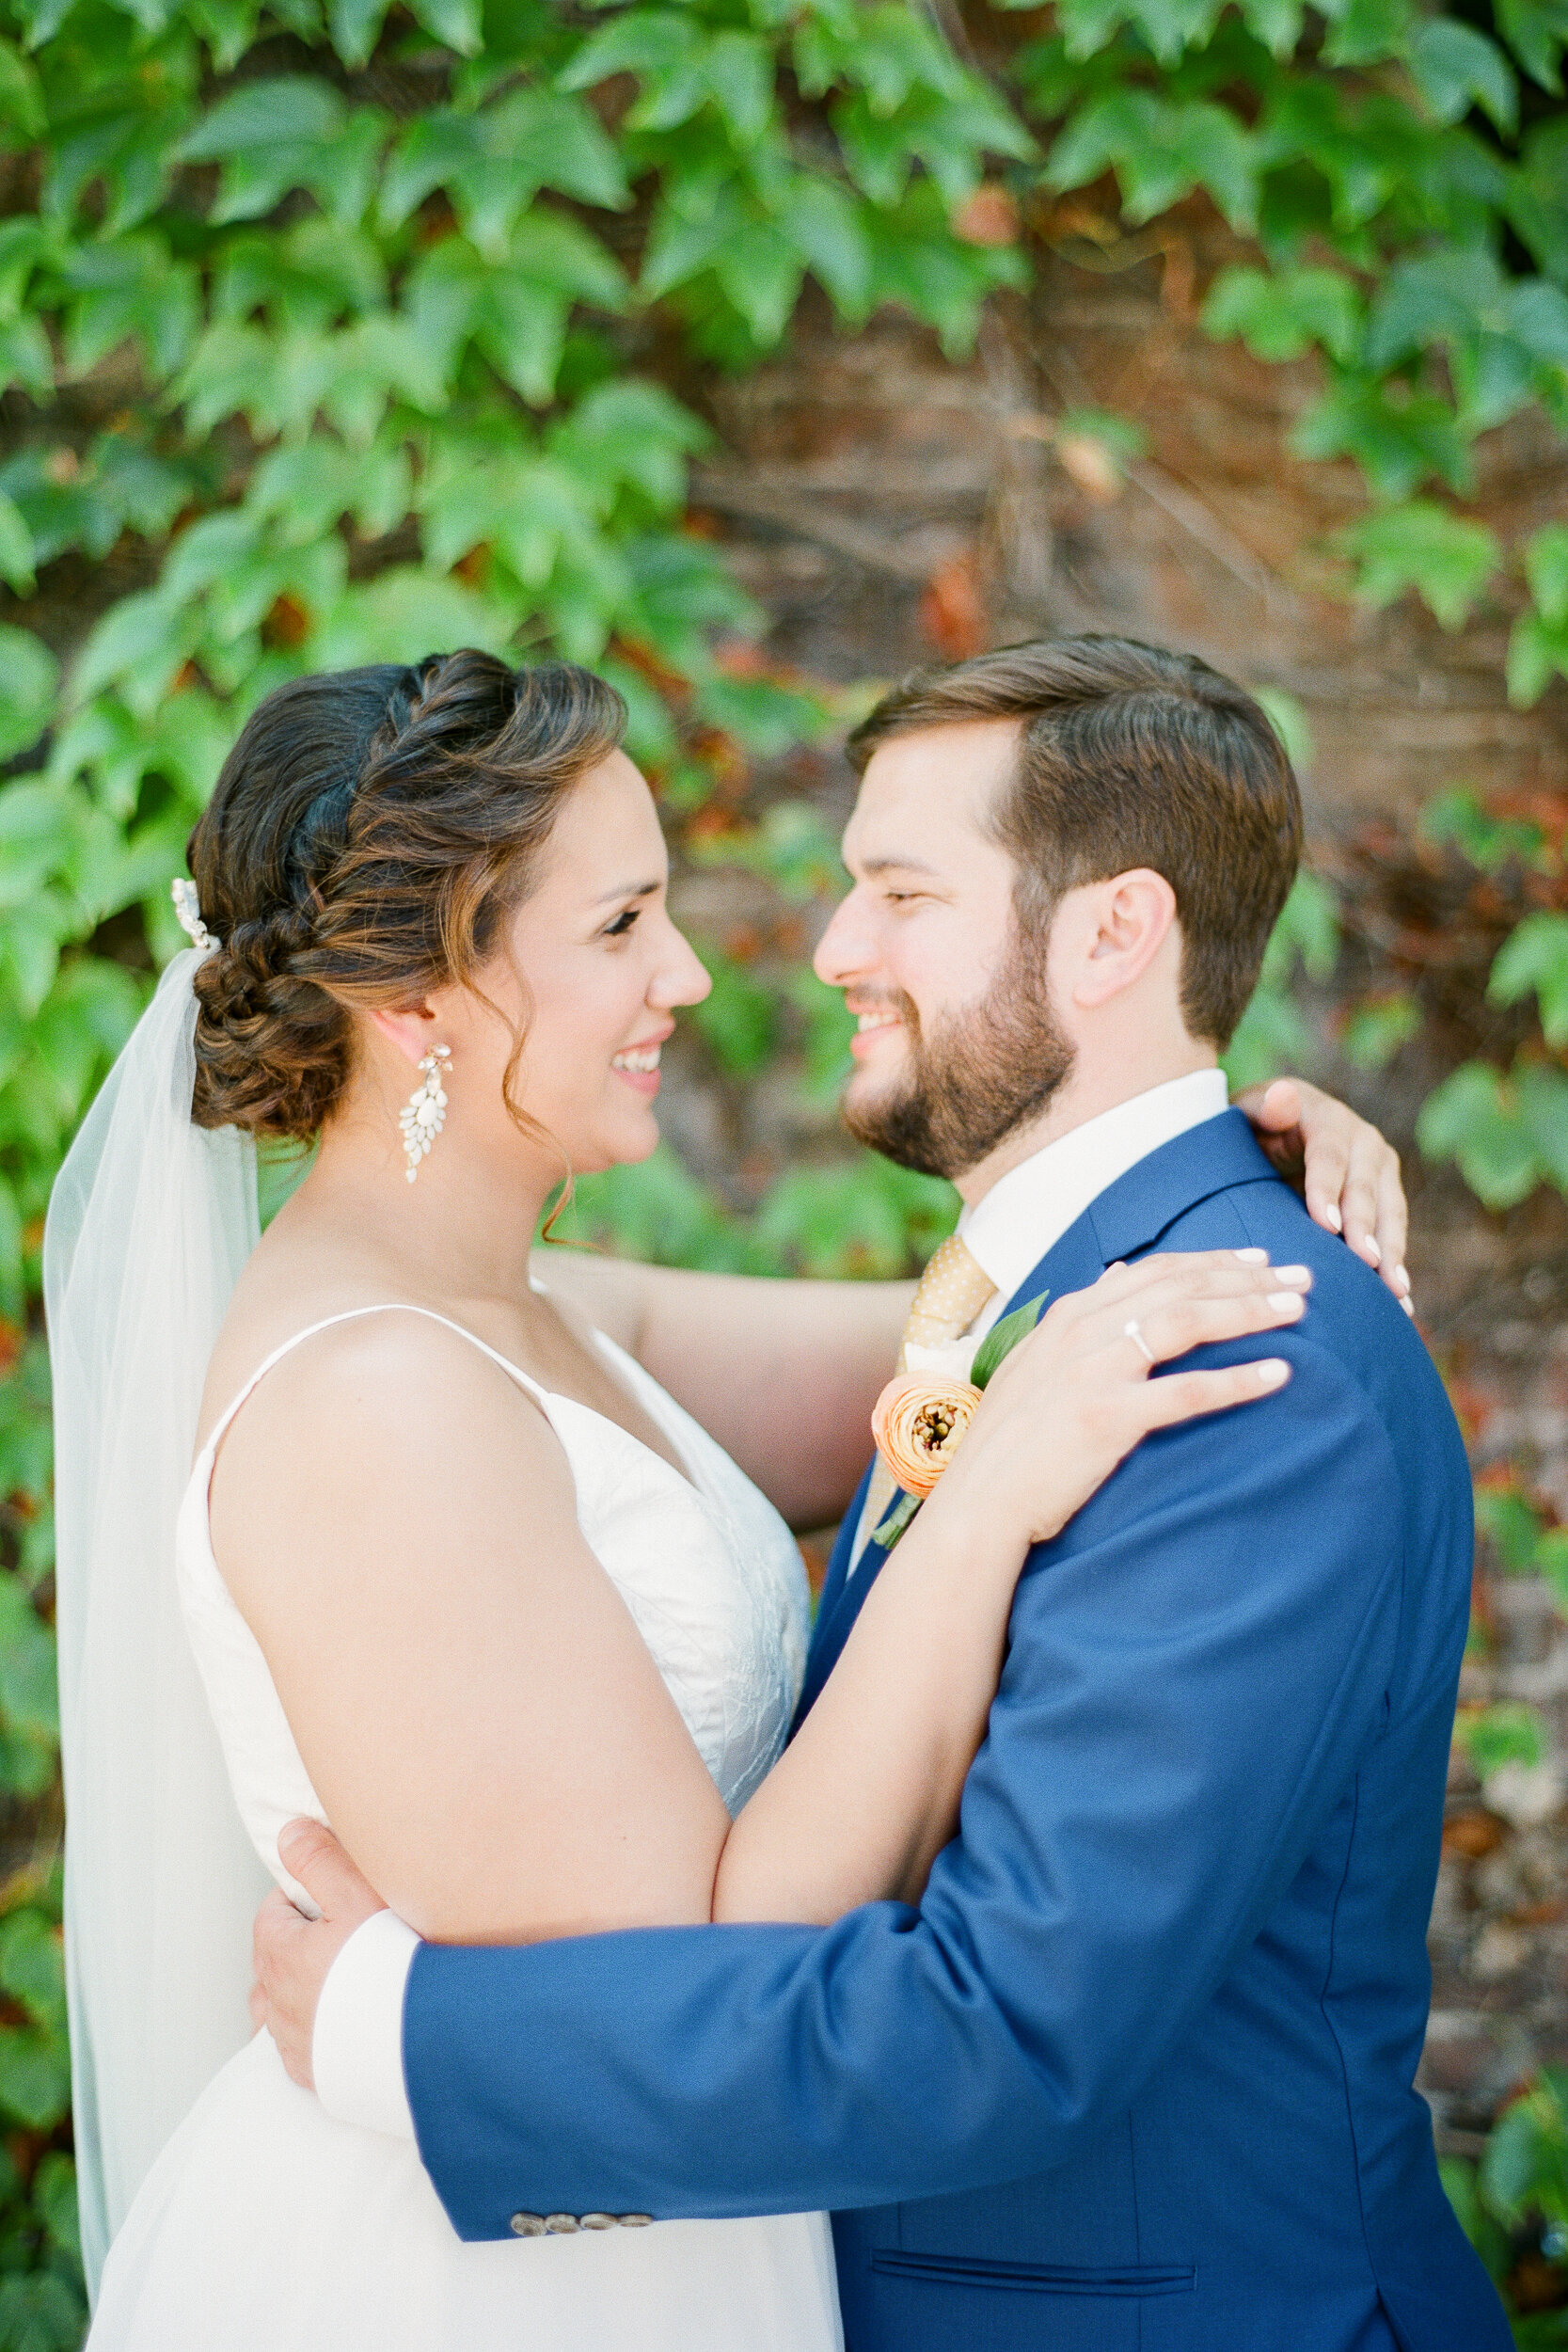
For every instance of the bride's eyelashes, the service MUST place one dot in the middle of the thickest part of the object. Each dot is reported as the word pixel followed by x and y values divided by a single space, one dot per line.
pixel 622 923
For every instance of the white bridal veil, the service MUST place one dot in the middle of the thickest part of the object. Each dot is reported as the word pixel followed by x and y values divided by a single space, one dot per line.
pixel 150 1221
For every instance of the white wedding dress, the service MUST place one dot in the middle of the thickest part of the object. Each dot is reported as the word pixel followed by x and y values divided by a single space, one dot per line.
pixel 267 2226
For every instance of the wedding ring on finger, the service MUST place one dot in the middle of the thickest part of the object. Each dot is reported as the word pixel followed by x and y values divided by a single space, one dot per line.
pixel 1132 1330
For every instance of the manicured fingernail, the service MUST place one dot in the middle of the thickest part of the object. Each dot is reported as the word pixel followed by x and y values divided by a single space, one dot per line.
pixel 1371 1252
pixel 1409 1306
pixel 1287 1302
pixel 1272 1372
pixel 1298 1277
pixel 1253 1257
pixel 1332 1218
pixel 1402 1280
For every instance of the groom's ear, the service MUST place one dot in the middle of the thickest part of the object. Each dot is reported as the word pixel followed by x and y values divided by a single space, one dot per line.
pixel 1108 934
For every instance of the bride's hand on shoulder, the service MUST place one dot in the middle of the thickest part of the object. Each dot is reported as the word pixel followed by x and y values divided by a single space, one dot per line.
pixel 1348 1171
pixel 1073 1398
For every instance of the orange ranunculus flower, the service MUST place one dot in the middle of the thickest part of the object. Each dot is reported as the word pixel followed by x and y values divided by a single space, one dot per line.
pixel 919 1423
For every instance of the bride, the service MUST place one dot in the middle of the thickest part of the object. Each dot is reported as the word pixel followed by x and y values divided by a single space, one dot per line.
pixel 564 1625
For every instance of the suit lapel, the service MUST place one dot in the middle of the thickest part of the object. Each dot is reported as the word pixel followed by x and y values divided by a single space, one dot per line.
pixel 1070 1265
pixel 820 1664
pixel 841 1598
pixel 1128 1216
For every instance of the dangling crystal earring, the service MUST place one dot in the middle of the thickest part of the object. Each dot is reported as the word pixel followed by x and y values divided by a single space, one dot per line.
pixel 424 1114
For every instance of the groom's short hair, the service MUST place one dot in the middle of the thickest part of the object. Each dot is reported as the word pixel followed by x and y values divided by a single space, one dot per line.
pixel 1131 756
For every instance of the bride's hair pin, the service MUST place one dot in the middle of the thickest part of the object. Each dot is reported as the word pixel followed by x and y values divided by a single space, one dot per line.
pixel 187 907
pixel 424 1114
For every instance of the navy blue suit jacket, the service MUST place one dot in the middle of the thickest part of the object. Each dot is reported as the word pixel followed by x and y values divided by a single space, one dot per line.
pixel 1139 2071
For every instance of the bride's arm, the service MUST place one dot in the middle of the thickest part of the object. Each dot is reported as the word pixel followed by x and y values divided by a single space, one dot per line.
pixel 470 1697
pixel 868 1792
pixel 484 1726
pixel 784 1373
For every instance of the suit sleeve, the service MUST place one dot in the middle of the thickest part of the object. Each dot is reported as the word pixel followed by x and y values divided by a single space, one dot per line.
pixel 1197 1667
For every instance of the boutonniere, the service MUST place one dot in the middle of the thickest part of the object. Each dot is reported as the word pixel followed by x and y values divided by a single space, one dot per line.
pixel 919 1422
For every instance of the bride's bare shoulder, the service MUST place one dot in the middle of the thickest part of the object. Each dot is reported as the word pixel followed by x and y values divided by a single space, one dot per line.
pixel 365 1337
pixel 340 1441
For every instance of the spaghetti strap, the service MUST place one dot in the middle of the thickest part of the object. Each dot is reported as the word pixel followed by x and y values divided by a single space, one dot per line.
pixel 351 1314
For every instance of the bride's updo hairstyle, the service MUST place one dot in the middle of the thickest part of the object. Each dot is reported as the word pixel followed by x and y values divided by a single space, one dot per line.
pixel 370 835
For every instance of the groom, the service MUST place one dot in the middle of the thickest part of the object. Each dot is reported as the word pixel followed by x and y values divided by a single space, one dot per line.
pixel 1139 2071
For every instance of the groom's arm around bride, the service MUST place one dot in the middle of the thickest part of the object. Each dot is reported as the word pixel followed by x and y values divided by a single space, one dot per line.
pixel 1160 2009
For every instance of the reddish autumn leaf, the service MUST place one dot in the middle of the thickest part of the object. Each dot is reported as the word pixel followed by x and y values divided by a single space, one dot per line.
pixel 952 614
pixel 990 216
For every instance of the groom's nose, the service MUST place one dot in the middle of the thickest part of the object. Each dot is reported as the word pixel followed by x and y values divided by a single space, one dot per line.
pixel 846 951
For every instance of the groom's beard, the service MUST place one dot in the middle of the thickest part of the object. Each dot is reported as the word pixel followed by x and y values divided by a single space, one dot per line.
pixel 969 1085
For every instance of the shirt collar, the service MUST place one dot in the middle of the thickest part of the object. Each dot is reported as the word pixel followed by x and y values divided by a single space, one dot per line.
pixel 1029 1209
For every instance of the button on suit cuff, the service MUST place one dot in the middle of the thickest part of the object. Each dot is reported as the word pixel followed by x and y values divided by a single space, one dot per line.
pixel 357 2046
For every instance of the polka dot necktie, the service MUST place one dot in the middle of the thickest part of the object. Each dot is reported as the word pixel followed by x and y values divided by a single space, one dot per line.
pixel 954 1290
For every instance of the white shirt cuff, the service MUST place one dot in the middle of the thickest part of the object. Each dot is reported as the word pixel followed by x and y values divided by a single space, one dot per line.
pixel 356 2045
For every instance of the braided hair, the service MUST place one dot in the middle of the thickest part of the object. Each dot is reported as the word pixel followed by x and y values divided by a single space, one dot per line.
pixel 370 835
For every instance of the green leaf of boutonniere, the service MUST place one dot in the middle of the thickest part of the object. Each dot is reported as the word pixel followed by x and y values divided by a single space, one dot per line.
pixel 896 1521
pixel 1004 1337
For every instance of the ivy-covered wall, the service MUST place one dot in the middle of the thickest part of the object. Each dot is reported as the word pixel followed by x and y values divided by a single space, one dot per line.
pixel 335 333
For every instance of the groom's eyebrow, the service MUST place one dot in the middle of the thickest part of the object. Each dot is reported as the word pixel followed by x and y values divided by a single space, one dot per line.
pixel 897 863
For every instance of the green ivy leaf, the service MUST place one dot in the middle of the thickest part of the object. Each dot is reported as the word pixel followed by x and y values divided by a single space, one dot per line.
pixel 1518 2152
pixel 1168 27
pixel 740 1019
pixel 460 23
pixel 1455 67
pixel 1397 438
pixel 31 1966
pixel 1447 558
pixel 493 164
pixel 140 644
pixel 1509 1734
pixel 29 679
pixel 1489 842
pixel 1537 653
pixel 1542 1091
pixel 1533 960
pixel 41 2312
pixel 35 2078
pixel 1475 1118
pixel 1510 1523
pixel 25 358
pixel 227 27
pixel 823 222
pixel 354 26
pixel 1537 32
pixel 1281 314
pixel 739 71
pixel 55 2201
pixel 825 1223
pixel 656 1211
pixel 1546 570
pixel 1378 1027
pixel 16 549
pixel 21 97
pixel 401 616
pixel 293 132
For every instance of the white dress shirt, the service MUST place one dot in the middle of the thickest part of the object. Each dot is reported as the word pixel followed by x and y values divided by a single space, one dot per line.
pixel 1025 1212
pixel 357 2047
